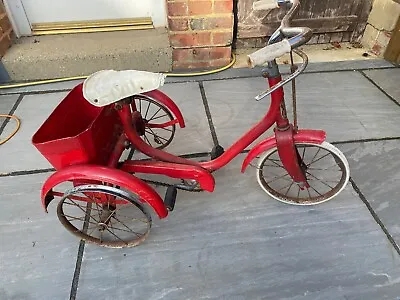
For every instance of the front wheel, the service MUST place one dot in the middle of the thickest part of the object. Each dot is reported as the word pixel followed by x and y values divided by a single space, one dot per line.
pixel 325 166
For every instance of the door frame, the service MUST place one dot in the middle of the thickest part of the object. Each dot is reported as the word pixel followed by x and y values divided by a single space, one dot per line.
pixel 18 18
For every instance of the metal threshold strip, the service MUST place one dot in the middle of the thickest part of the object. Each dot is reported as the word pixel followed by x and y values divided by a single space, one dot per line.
pixel 92 26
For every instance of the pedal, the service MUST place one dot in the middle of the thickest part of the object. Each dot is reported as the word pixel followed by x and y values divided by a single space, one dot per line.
pixel 170 198
pixel 216 152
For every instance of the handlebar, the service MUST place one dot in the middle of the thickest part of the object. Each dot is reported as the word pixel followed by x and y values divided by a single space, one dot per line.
pixel 294 37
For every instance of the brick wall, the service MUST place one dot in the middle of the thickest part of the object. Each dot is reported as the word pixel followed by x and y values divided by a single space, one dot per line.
pixel 200 32
pixel 6 33
pixel 381 23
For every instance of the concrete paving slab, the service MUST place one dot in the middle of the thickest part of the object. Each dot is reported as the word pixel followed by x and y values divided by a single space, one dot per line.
pixel 345 104
pixel 37 255
pixel 6 104
pixel 312 67
pixel 69 55
pixel 19 154
pixel 196 136
pixel 388 80
pixel 238 243
pixel 375 168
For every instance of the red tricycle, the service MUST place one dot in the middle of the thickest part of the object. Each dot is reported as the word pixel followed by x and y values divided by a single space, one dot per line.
pixel 113 111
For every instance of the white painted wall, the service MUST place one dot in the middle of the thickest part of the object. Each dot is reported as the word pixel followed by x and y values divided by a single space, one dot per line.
pixel 42 11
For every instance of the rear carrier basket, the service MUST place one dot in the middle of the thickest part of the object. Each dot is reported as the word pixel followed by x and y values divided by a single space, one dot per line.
pixel 77 132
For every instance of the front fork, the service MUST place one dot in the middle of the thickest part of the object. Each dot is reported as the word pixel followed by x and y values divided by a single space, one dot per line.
pixel 284 132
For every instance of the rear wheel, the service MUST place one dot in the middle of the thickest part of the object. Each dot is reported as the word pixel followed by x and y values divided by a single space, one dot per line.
pixel 158 121
pixel 104 215
pixel 325 166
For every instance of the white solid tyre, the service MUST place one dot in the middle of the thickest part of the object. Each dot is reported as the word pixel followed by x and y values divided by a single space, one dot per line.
pixel 325 145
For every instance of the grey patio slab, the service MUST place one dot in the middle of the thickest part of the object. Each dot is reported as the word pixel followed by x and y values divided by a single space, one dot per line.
pixel 231 73
pixel 6 103
pixel 19 154
pixel 238 243
pixel 375 168
pixel 37 255
pixel 345 104
pixel 388 80
pixel 196 136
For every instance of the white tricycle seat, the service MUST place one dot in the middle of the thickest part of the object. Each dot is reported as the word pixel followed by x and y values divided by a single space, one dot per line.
pixel 108 86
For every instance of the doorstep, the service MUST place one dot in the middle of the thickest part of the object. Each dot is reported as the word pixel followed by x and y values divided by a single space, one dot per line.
pixel 67 55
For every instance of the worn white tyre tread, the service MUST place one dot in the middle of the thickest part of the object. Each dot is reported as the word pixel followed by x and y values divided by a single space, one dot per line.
pixel 324 145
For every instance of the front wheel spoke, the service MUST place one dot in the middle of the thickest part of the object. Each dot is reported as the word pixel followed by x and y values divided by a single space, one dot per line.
pixel 275 163
pixel 309 194
pixel 315 190
pixel 320 180
pixel 313 162
pixel 326 169
pixel 319 149
pixel 289 188
pixel 277 178
pixel 286 186
pixel 273 166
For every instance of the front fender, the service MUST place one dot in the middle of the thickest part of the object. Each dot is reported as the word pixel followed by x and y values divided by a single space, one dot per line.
pixel 117 177
pixel 159 96
pixel 301 136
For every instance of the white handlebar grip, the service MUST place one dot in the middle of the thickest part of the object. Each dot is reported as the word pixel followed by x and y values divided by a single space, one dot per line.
pixel 265 4
pixel 268 53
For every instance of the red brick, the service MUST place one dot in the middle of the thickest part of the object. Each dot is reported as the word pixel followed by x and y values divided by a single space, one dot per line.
pixel 182 54
pixel 177 9
pixel 178 24
pixel 220 22
pixel 190 39
pixel 223 6
pixel 220 62
pixel 179 65
pixel 197 7
pixel 222 38
pixel 220 52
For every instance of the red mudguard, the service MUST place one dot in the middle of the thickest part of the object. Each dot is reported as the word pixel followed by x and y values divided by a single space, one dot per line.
pixel 305 135
pixel 167 102
pixel 117 177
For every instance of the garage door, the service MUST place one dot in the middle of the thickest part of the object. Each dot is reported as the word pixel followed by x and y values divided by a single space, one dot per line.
pixel 331 20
